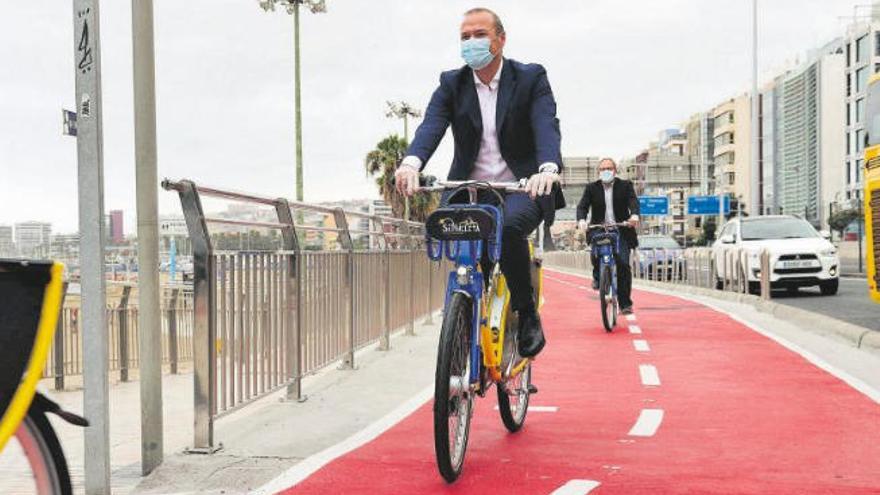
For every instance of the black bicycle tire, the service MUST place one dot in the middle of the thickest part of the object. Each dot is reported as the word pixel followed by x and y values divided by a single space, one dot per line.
pixel 507 416
pixel 458 303
pixel 604 288
pixel 49 449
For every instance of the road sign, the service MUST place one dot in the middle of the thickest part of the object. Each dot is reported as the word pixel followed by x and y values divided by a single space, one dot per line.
pixel 706 205
pixel 654 205
pixel 173 227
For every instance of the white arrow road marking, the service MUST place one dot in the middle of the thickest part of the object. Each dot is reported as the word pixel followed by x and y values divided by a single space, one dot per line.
pixel 648 423
pixel 635 329
pixel 649 375
pixel 641 345
pixel 576 487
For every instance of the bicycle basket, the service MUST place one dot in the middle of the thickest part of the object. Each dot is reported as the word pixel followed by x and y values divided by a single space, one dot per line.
pixel 464 223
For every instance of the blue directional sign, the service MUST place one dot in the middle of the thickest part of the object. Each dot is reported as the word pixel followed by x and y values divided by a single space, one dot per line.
pixel 654 205
pixel 706 205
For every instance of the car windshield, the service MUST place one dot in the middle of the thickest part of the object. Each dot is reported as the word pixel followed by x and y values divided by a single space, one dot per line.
pixel 777 228
pixel 658 243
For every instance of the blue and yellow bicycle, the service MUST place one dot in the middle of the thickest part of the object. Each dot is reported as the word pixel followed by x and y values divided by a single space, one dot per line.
pixel 478 339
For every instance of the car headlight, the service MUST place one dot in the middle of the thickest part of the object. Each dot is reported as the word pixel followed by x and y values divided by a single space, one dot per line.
pixel 828 252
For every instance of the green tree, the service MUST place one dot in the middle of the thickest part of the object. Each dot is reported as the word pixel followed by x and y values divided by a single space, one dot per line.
pixel 710 225
pixel 381 163
pixel 840 220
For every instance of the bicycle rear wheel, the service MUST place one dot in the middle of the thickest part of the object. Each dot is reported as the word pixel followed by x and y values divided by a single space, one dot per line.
pixel 607 301
pixel 453 401
pixel 40 446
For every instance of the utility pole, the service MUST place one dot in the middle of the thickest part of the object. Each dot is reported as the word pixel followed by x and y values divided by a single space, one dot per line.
pixel 292 6
pixel 755 169
pixel 149 322
pixel 403 110
pixel 90 182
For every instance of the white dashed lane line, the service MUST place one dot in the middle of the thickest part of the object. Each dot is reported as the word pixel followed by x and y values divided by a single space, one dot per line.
pixel 641 345
pixel 648 423
pixel 548 409
pixel 576 487
pixel 649 375
pixel 635 329
pixel 631 317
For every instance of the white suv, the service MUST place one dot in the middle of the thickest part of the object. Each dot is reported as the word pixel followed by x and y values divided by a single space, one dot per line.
pixel 799 256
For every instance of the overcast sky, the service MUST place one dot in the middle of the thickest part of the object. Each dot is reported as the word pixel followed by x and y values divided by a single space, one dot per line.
pixel 621 72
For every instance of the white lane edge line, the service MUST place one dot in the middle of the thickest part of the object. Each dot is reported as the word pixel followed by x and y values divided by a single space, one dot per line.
pixel 641 345
pixel 647 424
pixel 308 466
pixel 853 381
pixel 539 408
pixel 649 375
pixel 635 329
pixel 576 487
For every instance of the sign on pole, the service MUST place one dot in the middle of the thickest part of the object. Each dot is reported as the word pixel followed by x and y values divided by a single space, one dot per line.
pixel 90 182
pixel 653 205
pixel 706 205
pixel 69 123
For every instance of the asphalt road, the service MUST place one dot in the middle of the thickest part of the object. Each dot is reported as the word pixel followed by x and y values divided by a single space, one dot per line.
pixel 851 304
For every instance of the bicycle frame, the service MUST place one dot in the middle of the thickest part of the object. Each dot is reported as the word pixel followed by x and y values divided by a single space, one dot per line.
pixel 606 252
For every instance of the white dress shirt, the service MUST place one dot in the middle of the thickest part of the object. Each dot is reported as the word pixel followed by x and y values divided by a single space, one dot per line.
pixel 490 165
pixel 609 203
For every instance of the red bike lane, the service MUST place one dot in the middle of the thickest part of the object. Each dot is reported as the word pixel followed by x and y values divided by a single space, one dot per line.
pixel 680 399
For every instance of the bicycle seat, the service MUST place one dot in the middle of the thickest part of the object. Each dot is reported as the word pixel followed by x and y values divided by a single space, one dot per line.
pixel 30 292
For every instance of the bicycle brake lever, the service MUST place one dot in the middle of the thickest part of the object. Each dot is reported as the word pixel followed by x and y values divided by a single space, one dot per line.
pixel 47 405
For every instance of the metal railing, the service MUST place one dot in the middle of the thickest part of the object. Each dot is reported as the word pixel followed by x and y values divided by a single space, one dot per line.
pixel 265 319
pixel 698 267
pixel 66 354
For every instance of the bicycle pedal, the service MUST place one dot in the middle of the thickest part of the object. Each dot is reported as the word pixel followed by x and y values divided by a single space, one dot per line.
pixel 532 389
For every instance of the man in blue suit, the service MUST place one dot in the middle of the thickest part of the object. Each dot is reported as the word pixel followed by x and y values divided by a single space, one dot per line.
pixel 504 125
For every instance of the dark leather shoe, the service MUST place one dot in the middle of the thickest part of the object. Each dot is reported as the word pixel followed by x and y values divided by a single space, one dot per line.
pixel 595 285
pixel 530 334
pixel 627 310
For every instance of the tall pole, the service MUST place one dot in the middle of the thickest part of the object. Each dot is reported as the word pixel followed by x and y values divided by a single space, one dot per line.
pixel 755 169
pixel 90 182
pixel 297 100
pixel 149 323
pixel 406 140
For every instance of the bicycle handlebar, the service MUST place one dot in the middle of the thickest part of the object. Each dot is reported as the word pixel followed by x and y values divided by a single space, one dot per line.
pixel 440 185
pixel 606 226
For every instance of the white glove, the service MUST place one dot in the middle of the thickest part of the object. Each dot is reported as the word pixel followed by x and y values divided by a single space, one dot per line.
pixel 583 225
pixel 406 180
pixel 541 183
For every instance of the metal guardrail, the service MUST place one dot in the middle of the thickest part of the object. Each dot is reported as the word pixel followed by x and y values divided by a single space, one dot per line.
pixel 265 319
pixel 698 267
pixel 66 354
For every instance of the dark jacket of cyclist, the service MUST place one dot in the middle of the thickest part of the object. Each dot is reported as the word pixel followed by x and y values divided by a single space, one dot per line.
pixel 611 200
pixel 503 118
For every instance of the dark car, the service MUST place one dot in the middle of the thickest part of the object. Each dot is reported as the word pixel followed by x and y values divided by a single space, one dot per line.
pixel 658 255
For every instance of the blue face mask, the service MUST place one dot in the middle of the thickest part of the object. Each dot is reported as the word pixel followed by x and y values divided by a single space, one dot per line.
pixel 606 176
pixel 476 53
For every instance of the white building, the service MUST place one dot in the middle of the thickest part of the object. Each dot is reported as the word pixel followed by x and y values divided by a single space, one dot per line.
pixel 7 246
pixel 32 239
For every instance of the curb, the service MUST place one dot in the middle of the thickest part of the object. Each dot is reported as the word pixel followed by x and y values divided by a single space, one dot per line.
pixel 859 337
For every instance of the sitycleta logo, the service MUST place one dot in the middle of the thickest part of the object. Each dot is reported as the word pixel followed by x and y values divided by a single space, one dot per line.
pixel 466 226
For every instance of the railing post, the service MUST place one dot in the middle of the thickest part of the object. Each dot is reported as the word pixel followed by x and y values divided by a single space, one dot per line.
pixel 173 352
pixel 385 339
pixel 59 344
pixel 348 247
pixel 410 244
pixel 122 319
pixel 204 364
pixel 765 274
pixel 293 300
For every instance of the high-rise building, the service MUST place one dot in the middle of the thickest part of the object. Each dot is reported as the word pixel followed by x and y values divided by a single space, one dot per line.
pixel 32 238
pixel 701 148
pixel 732 153
pixel 116 230
pixel 7 246
pixel 577 172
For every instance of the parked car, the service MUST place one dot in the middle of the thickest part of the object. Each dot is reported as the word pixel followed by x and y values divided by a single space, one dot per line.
pixel 799 255
pixel 658 255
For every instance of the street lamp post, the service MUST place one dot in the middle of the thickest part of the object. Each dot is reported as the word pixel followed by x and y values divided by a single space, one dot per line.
pixel 292 7
pixel 403 110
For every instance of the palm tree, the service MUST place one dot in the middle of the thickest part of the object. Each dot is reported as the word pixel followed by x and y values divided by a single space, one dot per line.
pixel 381 164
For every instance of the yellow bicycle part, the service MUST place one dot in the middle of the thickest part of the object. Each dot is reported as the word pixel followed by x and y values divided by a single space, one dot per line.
pixel 24 394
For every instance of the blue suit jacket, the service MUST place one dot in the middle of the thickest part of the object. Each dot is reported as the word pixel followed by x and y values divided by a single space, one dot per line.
pixel 528 130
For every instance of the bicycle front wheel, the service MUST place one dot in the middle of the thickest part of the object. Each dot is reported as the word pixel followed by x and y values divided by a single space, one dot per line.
pixel 607 301
pixel 453 400
pixel 513 399
pixel 38 444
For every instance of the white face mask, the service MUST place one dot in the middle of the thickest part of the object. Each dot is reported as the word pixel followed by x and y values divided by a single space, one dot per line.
pixel 606 176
